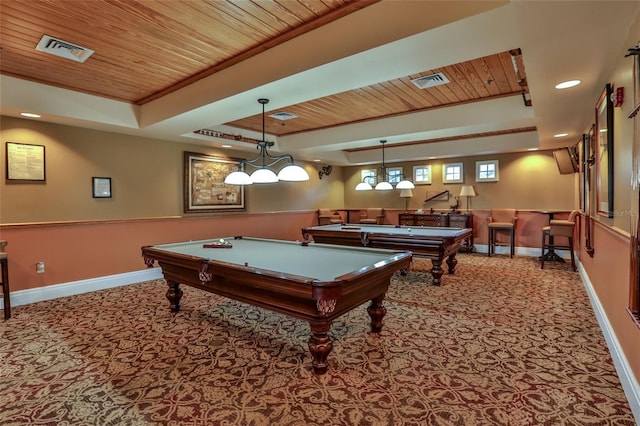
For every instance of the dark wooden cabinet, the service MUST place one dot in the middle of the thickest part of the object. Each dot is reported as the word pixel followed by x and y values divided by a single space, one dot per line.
pixel 463 220
pixel 430 219
pixel 460 220
pixel 406 219
pixel 453 220
pixel 424 219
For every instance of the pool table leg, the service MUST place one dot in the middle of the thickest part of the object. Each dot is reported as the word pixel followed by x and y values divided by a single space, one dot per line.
pixel 320 346
pixel 174 294
pixel 437 271
pixel 377 312
pixel 452 262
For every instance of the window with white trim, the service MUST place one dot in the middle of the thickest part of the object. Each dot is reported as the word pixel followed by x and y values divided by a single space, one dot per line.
pixel 395 174
pixel 422 175
pixel 452 173
pixel 371 174
pixel 487 171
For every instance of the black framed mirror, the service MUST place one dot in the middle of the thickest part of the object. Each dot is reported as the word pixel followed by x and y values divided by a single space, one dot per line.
pixel 604 153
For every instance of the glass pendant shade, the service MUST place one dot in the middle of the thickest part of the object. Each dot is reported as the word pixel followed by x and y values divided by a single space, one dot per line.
pixel 293 173
pixel 405 184
pixel 264 176
pixel 238 178
pixel 364 186
pixel 383 186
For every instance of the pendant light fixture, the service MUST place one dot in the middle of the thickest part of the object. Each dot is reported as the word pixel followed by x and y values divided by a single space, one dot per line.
pixel 382 179
pixel 262 163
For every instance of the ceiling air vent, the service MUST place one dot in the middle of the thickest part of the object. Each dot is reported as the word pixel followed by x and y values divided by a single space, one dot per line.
pixel 64 49
pixel 283 116
pixel 430 80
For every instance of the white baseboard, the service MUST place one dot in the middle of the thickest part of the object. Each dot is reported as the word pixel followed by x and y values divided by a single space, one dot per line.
pixel 625 374
pixel 33 295
pixel 521 251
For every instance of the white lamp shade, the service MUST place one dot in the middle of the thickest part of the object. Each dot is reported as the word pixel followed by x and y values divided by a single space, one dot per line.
pixel 383 186
pixel 405 184
pixel 238 178
pixel 364 186
pixel 406 193
pixel 293 173
pixel 264 176
pixel 467 191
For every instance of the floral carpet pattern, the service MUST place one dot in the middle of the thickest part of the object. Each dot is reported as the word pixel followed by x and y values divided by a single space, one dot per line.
pixel 501 342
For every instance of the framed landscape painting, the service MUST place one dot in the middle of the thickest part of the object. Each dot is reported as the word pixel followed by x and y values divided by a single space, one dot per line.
pixel 204 187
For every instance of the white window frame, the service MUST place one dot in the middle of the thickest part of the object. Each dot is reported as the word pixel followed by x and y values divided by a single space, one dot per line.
pixel 479 165
pixel 368 172
pixel 446 167
pixel 427 180
pixel 395 174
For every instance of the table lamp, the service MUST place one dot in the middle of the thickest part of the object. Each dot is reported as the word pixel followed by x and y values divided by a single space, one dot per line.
pixel 467 191
pixel 406 194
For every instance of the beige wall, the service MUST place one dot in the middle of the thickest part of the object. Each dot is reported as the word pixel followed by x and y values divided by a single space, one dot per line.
pixel 147 177
pixel 528 181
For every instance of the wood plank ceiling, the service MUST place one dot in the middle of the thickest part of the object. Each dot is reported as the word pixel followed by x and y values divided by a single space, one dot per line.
pixel 145 49
pixel 484 78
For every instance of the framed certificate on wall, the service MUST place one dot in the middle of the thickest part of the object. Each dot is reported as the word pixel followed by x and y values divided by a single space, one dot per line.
pixel 25 162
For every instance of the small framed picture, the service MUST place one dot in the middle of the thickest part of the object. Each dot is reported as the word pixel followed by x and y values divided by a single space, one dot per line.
pixel 101 187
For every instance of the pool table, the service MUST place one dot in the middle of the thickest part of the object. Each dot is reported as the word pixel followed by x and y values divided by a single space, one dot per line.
pixel 313 282
pixel 435 243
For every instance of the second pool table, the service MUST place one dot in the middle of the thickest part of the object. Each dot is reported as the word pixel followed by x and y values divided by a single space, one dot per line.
pixel 435 243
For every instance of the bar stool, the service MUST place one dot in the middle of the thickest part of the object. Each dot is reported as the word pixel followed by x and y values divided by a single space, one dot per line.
pixel 5 280
pixel 559 228
pixel 502 220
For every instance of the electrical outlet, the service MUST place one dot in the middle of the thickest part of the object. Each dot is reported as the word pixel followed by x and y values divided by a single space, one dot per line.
pixel 40 267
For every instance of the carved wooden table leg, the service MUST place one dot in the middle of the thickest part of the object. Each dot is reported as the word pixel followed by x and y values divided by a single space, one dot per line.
pixel 452 262
pixel 174 294
pixel 377 312
pixel 436 271
pixel 320 346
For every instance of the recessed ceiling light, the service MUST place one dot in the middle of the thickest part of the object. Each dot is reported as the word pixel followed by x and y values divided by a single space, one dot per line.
pixel 30 115
pixel 532 149
pixel 567 84
pixel 560 135
pixel 316 160
pixel 431 158
pixel 226 146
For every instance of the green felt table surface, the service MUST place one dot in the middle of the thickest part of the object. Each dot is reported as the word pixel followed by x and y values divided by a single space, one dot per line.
pixel 426 231
pixel 318 261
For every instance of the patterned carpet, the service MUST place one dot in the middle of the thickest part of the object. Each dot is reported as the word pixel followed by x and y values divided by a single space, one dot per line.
pixel 500 343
